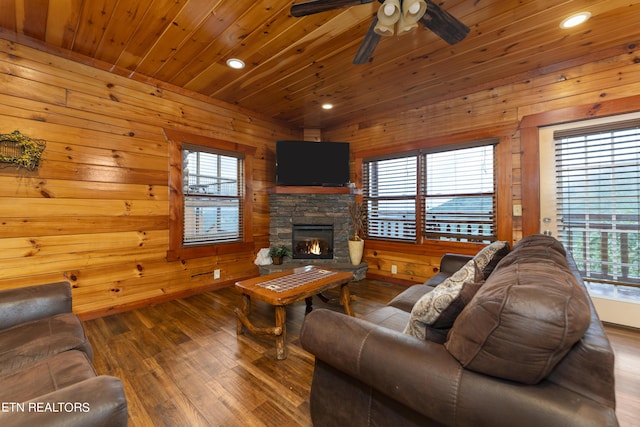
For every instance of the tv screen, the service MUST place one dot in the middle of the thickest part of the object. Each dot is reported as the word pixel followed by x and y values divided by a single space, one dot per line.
pixel 307 163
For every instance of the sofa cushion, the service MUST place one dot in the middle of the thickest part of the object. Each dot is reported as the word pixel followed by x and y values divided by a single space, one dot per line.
pixel 46 376
pixel 432 305
pixel 487 259
pixel 30 342
pixel 541 240
pixel 521 322
pixel 408 298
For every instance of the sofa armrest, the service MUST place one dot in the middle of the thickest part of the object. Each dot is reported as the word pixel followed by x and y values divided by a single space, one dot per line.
pixel 450 263
pixel 95 402
pixel 29 303
pixel 420 374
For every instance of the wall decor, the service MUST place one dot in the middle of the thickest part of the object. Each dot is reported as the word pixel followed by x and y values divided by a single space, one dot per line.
pixel 20 150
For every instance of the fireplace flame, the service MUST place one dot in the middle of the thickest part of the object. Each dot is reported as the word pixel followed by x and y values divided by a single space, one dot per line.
pixel 315 248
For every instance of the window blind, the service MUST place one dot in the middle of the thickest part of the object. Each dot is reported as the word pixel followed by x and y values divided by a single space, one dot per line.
pixel 453 191
pixel 389 192
pixel 459 195
pixel 598 200
pixel 213 196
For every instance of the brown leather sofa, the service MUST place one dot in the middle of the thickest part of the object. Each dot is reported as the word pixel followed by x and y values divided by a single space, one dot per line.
pixel 46 371
pixel 508 359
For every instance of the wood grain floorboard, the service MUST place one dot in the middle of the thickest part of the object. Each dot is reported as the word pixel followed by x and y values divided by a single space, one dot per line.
pixel 182 363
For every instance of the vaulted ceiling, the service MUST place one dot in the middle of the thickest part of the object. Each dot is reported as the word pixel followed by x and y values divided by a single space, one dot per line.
pixel 293 65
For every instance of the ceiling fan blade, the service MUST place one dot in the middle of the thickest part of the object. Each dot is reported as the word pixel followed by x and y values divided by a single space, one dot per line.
pixel 441 22
pixel 368 45
pixel 315 6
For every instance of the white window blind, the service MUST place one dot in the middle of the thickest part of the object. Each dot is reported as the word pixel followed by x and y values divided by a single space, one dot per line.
pixel 453 191
pixel 459 195
pixel 390 191
pixel 598 200
pixel 213 196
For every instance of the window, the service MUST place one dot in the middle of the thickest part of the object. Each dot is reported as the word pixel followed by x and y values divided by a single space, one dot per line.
pixel 459 195
pixel 213 196
pixel 390 191
pixel 443 195
pixel 210 212
pixel 598 204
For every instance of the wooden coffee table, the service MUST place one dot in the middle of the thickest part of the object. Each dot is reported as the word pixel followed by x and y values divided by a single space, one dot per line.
pixel 286 287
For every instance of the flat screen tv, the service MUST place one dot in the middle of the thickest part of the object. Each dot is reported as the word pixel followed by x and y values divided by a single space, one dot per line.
pixel 306 163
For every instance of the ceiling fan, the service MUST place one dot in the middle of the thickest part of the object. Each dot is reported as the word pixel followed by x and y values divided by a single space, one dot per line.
pixel 401 14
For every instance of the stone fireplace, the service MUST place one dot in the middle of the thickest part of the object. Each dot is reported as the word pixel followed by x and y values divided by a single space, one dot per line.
pixel 315 211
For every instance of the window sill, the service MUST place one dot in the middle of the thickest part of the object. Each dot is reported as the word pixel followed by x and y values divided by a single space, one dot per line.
pixel 208 250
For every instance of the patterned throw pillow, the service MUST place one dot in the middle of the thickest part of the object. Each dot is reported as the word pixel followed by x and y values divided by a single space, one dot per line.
pixel 428 309
pixel 489 256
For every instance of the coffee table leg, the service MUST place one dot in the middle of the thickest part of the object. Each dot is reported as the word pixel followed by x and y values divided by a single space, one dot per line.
pixel 281 319
pixel 245 309
pixel 345 299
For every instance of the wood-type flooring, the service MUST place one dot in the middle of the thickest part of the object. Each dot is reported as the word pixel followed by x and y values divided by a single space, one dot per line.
pixel 182 363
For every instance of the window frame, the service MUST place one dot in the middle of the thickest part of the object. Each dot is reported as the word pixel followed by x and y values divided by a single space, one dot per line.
pixel 421 236
pixel 551 138
pixel 177 250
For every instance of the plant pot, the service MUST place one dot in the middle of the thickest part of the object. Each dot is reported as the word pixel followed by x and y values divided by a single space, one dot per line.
pixel 277 260
pixel 356 249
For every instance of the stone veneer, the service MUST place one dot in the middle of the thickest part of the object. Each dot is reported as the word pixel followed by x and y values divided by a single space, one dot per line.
pixel 316 209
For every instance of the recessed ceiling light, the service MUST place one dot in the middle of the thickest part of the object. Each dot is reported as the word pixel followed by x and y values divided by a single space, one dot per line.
pixel 575 19
pixel 327 106
pixel 235 63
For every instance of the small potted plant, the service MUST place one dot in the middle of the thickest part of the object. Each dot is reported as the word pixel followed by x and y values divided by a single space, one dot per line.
pixel 277 253
pixel 358 217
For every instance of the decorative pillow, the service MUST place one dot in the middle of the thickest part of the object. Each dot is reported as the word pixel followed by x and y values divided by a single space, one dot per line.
pixel 489 256
pixel 521 322
pixel 430 306
pixel 439 329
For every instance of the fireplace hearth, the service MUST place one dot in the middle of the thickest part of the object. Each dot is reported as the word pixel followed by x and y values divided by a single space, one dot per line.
pixel 312 241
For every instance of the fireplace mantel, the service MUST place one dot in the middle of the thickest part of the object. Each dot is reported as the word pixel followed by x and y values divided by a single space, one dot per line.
pixel 287 189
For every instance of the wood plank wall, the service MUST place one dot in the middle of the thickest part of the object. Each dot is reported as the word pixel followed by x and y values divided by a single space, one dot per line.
pixel 492 112
pixel 95 213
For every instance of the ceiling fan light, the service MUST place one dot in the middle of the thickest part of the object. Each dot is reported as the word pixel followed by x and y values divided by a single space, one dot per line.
pixel 414 9
pixel 412 12
pixel 406 25
pixel 388 9
pixel 386 20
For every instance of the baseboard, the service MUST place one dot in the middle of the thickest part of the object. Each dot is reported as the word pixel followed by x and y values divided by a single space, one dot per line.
pixel 107 311
pixel 388 279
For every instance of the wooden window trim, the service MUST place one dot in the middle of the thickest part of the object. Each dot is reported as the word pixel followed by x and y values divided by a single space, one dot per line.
pixel 503 177
pixel 176 197
pixel 529 140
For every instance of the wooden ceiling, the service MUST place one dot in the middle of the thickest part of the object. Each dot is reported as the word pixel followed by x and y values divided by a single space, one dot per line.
pixel 296 64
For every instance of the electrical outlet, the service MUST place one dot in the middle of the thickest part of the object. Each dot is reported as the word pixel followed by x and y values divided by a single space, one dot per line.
pixel 216 273
pixel 517 210
pixel 394 269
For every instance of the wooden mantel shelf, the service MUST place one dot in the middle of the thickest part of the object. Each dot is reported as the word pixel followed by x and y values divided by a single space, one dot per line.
pixel 282 189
